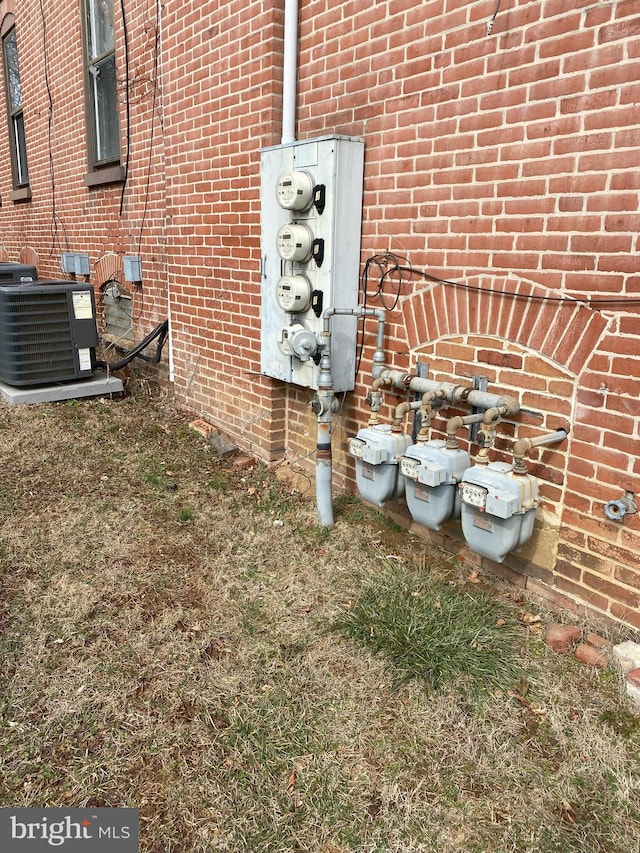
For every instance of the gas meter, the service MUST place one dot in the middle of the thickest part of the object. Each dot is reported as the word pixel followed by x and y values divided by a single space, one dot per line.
pixel 498 509
pixel 376 450
pixel 297 341
pixel 432 472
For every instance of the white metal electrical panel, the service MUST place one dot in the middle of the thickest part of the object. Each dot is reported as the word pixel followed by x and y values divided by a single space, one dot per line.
pixel 311 217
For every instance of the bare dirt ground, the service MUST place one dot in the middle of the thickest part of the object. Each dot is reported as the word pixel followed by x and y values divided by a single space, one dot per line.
pixel 167 643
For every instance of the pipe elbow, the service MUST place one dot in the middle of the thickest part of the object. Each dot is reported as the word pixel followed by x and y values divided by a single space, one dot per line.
pixel 401 411
pixel 492 415
pixel 522 447
pixel 511 405
pixel 379 383
pixel 454 424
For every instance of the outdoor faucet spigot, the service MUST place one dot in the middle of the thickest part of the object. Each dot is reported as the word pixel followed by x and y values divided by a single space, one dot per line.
pixel 617 509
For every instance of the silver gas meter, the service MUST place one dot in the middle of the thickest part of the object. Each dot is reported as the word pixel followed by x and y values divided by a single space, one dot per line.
pixel 376 450
pixel 432 472
pixel 294 190
pixel 297 341
pixel 498 509
pixel 294 242
pixel 293 293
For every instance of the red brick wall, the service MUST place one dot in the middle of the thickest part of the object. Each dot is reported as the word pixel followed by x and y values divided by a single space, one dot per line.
pixel 508 162
pixel 63 214
pixel 222 96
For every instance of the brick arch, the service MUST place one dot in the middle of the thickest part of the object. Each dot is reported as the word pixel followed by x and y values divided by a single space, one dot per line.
pixel 8 17
pixel 564 332
pixel 108 267
pixel 545 389
pixel 29 256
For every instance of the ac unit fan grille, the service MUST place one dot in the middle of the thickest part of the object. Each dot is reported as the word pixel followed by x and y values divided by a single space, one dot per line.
pixel 38 335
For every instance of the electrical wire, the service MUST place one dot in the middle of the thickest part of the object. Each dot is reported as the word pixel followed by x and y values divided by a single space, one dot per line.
pixel 50 111
pixel 160 332
pixel 492 20
pixel 386 264
pixel 154 101
pixel 389 264
pixel 533 297
pixel 127 104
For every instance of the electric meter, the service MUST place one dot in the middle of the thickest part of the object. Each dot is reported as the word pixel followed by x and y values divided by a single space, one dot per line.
pixel 293 293
pixel 294 243
pixel 474 495
pixel 294 190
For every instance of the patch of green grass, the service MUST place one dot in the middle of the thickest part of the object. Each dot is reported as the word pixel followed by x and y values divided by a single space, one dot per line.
pixel 623 722
pixel 254 620
pixel 218 481
pixel 436 633
pixel 268 493
pixel 156 478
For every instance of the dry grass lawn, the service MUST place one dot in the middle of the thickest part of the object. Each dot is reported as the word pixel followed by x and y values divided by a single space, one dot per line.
pixel 168 641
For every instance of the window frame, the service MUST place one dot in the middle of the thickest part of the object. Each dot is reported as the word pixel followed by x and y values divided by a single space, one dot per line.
pixel 108 170
pixel 15 119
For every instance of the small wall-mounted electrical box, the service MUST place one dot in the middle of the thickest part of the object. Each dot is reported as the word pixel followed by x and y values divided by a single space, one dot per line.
pixel 76 263
pixel 432 472
pixel 132 266
pixel 376 450
pixel 311 213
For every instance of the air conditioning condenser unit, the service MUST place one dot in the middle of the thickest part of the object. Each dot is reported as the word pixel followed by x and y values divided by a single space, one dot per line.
pixel 48 332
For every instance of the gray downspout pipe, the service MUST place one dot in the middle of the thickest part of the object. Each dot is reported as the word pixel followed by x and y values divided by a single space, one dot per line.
pixel 290 71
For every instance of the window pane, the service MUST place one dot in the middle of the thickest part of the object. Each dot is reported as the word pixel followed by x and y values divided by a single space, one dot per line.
pixel 17 142
pixel 99 27
pixel 13 74
pixel 22 174
pixel 106 109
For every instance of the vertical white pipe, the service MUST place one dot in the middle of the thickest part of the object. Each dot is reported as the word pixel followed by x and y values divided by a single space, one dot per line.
pixel 290 71
pixel 159 83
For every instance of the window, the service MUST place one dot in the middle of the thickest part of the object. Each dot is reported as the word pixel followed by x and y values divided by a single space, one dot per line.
pixel 103 127
pixel 18 146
